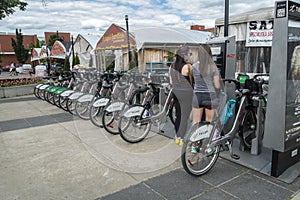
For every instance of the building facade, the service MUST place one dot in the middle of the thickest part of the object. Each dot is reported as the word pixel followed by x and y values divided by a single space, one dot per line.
pixel 7 52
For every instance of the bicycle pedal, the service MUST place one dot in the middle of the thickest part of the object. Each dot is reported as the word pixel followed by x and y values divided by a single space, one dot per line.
pixel 235 156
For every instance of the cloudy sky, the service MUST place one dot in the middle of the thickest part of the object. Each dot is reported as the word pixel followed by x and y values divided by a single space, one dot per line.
pixel 95 16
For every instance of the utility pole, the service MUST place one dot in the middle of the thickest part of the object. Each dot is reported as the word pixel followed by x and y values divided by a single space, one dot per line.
pixel 73 53
pixel 128 39
pixel 226 18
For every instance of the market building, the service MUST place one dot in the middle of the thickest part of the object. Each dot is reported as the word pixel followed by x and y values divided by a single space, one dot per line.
pixel 151 48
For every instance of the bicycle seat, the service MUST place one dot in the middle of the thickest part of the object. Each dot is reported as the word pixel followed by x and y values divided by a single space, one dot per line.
pixel 106 86
pixel 142 89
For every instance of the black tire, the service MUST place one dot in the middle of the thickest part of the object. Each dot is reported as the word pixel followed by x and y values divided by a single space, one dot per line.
pixel 95 114
pixel 248 127
pixel 62 101
pixel 36 94
pixel 50 97
pixel 41 93
pixel 198 164
pixel 56 100
pixel 110 122
pixel 132 130
pixel 71 106
pixel 172 112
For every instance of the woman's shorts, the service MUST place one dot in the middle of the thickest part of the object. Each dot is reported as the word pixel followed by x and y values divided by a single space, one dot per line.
pixel 203 100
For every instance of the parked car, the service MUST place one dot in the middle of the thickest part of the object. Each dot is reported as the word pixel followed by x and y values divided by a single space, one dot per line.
pixel 27 68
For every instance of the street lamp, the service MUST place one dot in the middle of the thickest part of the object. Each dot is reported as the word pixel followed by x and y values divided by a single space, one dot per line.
pixel 128 39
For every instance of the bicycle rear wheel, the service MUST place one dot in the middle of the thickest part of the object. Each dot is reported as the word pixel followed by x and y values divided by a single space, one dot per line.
pixel 133 129
pixel 199 161
pixel 62 102
pixel 71 106
pixel 82 109
pixel 110 122
pixel 96 115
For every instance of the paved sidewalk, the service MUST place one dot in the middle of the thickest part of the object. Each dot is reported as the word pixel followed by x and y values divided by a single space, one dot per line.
pixel 48 154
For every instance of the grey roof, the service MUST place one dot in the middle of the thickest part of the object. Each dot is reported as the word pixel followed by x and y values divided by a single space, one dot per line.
pixel 260 14
pixel 91 39
pixel 163 35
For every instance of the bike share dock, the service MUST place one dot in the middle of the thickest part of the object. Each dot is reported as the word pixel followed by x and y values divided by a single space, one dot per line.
pixel 43 157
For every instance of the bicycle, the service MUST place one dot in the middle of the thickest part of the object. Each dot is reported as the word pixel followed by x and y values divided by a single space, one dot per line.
pixel 112 110
pixel 206 138
pixel 110 82
pixel 256 109
pixel 136 120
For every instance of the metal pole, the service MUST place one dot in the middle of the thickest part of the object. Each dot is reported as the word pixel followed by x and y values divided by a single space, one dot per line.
pixel 226 18
pixel 128 39
pixel 73 53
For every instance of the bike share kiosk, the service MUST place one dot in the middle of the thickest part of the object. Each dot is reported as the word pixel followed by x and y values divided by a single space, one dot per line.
pixel 282 129
pixel 223 51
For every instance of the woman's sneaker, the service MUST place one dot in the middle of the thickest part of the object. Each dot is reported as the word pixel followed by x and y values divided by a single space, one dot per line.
pixel 181 143
pixel 177 140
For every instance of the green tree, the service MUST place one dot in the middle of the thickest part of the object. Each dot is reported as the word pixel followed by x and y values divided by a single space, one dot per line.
pixel 20 51
pixel 7 7
pixel 76 60
pixel 37 43
pixel 53 38
pixel 67 64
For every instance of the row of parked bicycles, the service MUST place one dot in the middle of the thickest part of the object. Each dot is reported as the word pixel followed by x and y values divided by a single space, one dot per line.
pixel 101 97
pixel 130 104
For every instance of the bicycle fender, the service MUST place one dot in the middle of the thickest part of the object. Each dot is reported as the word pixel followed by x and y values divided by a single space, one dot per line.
pixel 60 90
pixel 75 95
pixel 134 111
pixel 67 93
pixel 199 133
pixel 39 85
pixel 85 98
pixel 115 106
pixel 43 87
pixel 101 102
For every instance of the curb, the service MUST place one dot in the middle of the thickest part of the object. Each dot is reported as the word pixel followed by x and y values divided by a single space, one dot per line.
pixel 7 92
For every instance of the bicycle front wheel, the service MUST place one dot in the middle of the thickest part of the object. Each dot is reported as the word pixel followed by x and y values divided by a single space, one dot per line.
pixel 197 160
pixel 82 109
pixel 133 129
pixel 249 126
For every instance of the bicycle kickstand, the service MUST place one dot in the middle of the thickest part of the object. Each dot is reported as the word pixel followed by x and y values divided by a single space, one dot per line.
pixel 232 155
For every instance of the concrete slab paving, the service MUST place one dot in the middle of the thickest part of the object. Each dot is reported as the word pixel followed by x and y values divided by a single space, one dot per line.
pixel 70 158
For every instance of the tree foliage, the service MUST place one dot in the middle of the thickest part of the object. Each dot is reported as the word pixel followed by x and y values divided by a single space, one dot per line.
pixel 76 60
pixel 53 38
pixel 8 7
pixel 67 64
pixel 20 51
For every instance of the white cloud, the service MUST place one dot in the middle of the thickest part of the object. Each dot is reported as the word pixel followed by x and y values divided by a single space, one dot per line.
pixel 95 16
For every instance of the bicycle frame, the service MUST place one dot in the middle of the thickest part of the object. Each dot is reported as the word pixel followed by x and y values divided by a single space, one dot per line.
pixel 229 136
pixel 140 111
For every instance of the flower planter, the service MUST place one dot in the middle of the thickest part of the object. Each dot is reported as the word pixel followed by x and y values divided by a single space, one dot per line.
pixel 14 91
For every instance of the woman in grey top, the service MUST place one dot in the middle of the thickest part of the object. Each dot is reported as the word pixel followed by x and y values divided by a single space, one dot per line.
pixel 206 83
